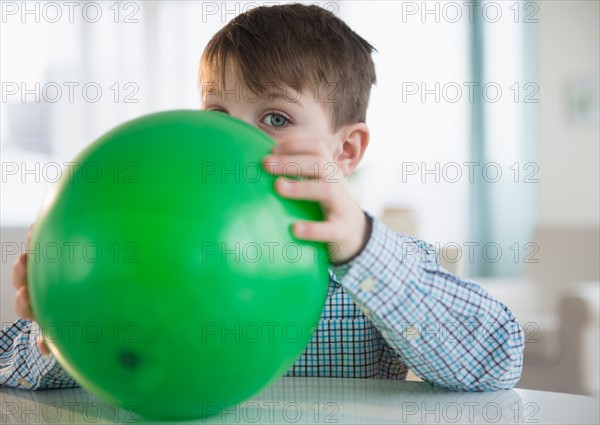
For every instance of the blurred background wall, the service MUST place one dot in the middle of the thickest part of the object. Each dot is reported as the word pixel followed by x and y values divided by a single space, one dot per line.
pixel 485 136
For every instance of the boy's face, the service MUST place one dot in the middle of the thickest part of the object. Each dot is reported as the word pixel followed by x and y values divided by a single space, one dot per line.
pixel 300 127
pixel 284 115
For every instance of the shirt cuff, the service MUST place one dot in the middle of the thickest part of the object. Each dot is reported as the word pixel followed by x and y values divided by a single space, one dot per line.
pixel 387 261
pixel 340 269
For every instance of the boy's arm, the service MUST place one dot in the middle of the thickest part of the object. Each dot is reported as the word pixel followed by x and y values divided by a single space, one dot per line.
pixel 21 363
pixel 449 331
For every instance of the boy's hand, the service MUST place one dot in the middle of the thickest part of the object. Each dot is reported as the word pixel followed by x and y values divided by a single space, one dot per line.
pixel 345 227
pixel 22 304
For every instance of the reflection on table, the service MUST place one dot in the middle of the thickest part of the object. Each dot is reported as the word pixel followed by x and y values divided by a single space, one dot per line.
pixel 323 401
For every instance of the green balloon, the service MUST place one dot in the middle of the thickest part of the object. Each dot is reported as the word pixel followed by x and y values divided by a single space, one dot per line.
pixel 163 271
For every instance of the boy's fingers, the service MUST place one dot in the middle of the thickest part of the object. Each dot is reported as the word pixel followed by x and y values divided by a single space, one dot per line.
pixel 22 304
pixel 318 231
pixel 42 346
pixel 19 271
pixel 300 146
pixel 309 166
pixel 28 239
pixel 312 190
pixel 331 232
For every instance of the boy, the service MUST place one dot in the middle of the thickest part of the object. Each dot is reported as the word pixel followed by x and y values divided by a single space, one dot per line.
pixel 302 76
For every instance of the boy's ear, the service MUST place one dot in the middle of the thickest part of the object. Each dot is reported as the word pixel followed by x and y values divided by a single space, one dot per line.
pixel 354 142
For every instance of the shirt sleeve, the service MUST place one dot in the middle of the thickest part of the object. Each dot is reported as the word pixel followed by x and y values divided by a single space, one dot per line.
pixel 448 330
pixel 23 366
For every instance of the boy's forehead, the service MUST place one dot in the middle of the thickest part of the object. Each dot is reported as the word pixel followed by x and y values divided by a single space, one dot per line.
pixel 233 86
pixel 272 92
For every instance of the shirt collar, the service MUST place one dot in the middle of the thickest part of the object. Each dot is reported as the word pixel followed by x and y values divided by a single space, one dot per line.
pixel 334 283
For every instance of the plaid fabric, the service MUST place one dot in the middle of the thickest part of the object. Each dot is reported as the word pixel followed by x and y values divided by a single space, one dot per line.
pixel 390 308
pixel 395 307
pixel 21 363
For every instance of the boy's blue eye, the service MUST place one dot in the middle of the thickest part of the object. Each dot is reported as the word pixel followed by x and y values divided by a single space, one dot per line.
pixel 275 120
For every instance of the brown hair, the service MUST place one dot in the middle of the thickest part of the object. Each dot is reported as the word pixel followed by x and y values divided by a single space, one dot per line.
pixel 299 46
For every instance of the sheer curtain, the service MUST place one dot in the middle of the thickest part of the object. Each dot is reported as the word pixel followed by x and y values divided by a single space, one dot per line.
pixel 454 106
pixel 419 122
pixel 503 198
pixel 67 81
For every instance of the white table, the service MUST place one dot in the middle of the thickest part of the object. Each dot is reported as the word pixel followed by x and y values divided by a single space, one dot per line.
pixel 326 401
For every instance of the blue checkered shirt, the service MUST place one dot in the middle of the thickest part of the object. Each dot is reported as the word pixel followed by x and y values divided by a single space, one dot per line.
pixel 390 308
